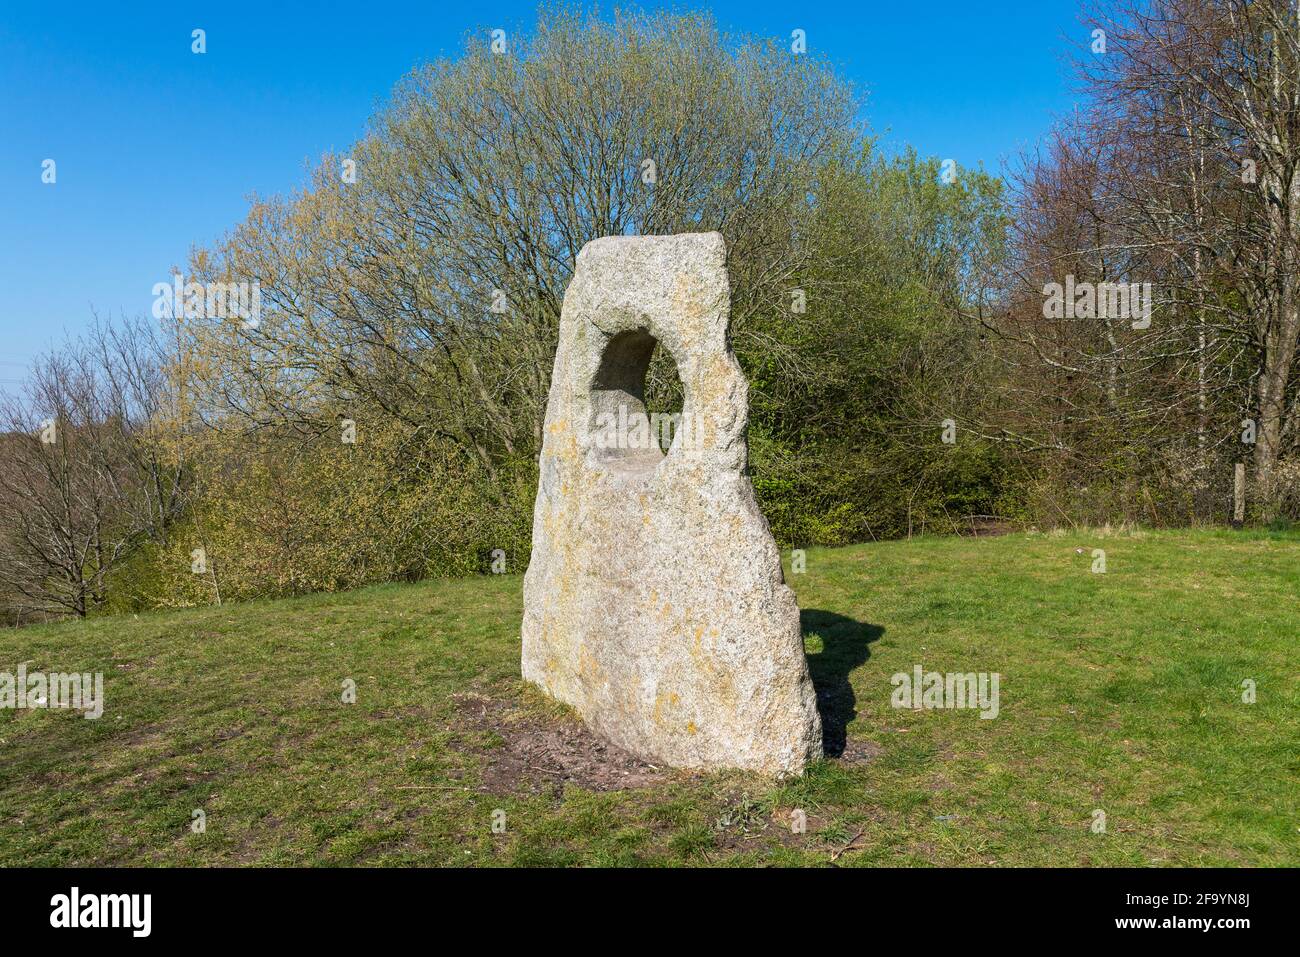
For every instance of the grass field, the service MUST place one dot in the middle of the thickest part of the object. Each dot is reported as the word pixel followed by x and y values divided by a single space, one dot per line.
pixel 1119 692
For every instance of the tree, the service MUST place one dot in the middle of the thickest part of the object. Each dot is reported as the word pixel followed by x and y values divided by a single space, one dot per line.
pixel 93 464
pixel 428 291
pixel 1181 171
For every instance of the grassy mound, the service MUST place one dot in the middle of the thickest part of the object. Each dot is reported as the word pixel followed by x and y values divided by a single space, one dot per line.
pixel 1119 692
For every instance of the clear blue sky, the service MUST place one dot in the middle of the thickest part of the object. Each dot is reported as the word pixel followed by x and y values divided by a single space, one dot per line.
pixel 158 149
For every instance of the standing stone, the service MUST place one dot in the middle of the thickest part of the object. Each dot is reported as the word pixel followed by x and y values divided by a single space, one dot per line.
pixel 654 604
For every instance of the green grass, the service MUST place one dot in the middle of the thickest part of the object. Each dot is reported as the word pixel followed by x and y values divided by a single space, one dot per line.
pixel 1119 691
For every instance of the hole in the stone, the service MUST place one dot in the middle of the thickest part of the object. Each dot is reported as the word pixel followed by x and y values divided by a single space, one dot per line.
pixel 636 401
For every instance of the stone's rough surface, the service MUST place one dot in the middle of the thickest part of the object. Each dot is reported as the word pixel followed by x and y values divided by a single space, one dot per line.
pixel 654 604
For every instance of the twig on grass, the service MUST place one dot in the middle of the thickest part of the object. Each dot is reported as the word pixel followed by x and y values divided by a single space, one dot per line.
pixel 835 855
pixel 546 770
pixel 429 787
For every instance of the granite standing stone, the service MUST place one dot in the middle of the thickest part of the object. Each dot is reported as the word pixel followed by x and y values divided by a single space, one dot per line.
pixel 654 603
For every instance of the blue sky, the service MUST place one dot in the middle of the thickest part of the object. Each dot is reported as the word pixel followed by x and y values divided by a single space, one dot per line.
pixel 157 148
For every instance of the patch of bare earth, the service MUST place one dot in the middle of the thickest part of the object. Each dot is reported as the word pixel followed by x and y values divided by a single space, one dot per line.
pixel 985 526
pixel 544 753
pixel 858 751
pixel 538 753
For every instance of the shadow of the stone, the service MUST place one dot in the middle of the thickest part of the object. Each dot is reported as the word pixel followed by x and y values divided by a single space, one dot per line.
pixel 845 645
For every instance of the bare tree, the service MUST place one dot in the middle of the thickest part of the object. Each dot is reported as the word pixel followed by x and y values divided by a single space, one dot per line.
pixel 92 464
pixel 1180 170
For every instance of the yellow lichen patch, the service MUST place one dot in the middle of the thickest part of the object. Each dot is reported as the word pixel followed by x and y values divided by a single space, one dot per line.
pixel 672 699
pixel 588 667
pixel 720 374
pixel 689 295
